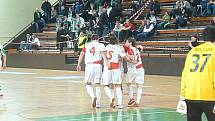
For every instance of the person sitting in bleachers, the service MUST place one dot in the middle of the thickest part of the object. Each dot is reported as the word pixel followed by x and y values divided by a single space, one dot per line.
pixel 155 6
pixel 128 29
pixel 165 21
pixel 35 42
pixel 118 30
pixel 147 31
pixel 66 23
pixel 25 45
pixel 62 37
pixel 211 7
pixel 38 21
pixel 53 15
pixel 213 21
pixel 197 8
pixel 151 16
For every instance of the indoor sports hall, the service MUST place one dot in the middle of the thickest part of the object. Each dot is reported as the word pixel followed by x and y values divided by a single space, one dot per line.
pixel 42 41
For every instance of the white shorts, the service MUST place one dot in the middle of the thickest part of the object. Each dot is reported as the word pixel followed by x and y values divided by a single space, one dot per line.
pixel 136 75
pixel 115 76
pixel 93 73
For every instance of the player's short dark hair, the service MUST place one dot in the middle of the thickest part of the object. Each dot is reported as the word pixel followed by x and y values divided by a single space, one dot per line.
pixel 113 40
pixel 94 37
pixel 132 41
pixel 209 33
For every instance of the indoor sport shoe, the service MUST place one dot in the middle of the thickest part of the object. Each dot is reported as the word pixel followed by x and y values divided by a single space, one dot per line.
pixel 112 104
pixel 131 101
pixel 94 102
pixel 120 107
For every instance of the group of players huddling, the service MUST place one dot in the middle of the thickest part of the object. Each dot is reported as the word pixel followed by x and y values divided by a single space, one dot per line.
pixel 110 58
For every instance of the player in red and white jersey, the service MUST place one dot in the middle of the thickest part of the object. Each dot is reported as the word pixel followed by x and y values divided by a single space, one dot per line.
pixel 135 72
pixel 114 53
pixel 94 53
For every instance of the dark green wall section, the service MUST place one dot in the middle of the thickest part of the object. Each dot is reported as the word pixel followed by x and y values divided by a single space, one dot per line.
pixel 153 65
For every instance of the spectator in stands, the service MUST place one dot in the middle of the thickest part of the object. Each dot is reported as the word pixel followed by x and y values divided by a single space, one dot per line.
pixel 62 37
pixel 22 46
pixel 155 6
pixel 103 23
pixel 92 4
pixel 188 8
pixel 78 7
pixel 28 42
pixel 152 18
pixel 211 7
pixel 213 21
pixel 53 15
pixel 82 41
pixel 118 30
pixel 71 13
pixel 73 28
pixel 204 4
pixel 80 22
pixel 47 8
pixel 148 30
pixel 128 29
pixel 38 21
pixel 25 45
pixel 197 10
pixel 92 18
pixel 165 21
pixel 66 23
pixel 35 42
pixel 194 42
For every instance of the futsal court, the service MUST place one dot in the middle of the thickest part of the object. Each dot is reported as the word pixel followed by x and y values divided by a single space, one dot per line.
pixel 57 95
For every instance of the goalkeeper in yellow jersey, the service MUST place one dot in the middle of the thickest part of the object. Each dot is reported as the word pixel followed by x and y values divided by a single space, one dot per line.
pixel 198 79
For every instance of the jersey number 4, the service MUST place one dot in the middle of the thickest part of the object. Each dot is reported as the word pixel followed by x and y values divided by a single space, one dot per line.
pixel 196 62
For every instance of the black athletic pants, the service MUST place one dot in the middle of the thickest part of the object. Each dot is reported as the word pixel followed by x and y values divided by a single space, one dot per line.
pixel 195 109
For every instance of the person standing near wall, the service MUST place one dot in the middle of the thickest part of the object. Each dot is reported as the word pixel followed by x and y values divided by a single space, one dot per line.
pixel 47 8
pixel 198 79
pixel 2 64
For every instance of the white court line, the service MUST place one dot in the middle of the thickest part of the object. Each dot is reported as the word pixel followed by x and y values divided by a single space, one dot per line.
pixel 137 114
pixel 16 73
pixel 73 77
pixel 61 77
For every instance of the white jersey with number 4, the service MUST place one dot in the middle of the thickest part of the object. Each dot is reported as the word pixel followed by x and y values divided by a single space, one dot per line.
pixel 92 52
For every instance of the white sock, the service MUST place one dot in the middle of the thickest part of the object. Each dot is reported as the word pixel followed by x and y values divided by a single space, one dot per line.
pixel 112 93
pixel 130 92
pixel 108 92
pixel 98 95
pixel 90 91
pixel 139 94
pixel 119 95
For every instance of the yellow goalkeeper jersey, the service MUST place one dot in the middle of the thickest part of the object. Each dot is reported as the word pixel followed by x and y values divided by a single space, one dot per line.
pixel 198 76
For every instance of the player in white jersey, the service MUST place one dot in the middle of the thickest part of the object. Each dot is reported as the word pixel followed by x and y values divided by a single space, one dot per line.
pixel 135 72
pixel 2 64
pixel 114 53
pixel 94 53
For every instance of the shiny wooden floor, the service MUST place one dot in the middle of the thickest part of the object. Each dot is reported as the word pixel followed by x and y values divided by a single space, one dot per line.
pixel 31 94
